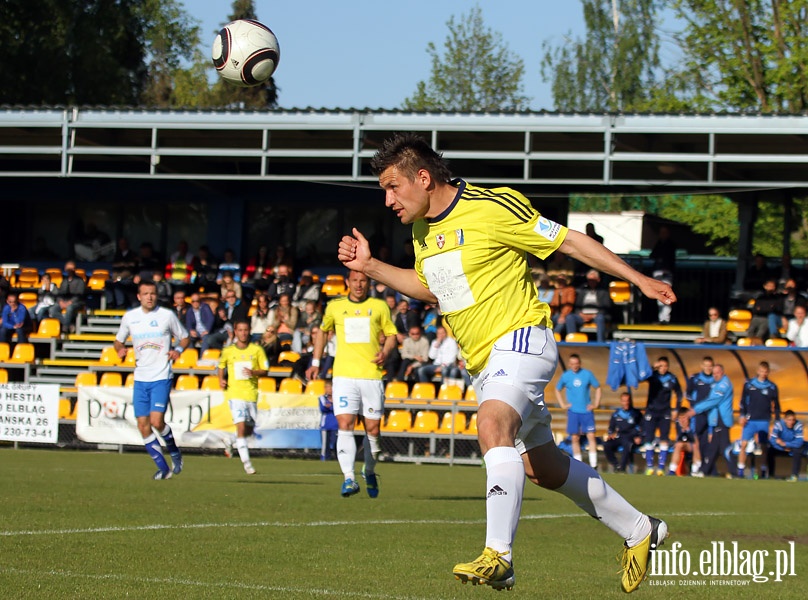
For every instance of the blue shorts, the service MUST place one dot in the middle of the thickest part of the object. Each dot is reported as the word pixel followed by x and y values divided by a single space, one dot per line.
pixel 753 427
pixel 151 396
pixel 580 423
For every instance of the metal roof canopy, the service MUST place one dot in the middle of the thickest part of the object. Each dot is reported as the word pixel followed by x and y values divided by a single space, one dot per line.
pixel 571 152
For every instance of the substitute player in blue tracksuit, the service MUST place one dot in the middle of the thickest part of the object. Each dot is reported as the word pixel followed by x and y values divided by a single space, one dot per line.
pixel 718 407
pixel 787 438
pixel 699 386
pixel 759 401
pixel 661 386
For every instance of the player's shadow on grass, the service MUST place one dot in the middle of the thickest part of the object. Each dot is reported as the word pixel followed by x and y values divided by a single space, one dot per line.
pixel 475 498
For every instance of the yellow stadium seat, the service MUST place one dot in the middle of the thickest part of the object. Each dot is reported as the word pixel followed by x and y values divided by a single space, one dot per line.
pixel 55 275
pixel 397 420
pixel 23 353
pixel 5 351
pixel 129 359
pixel 111 379
pixel 288 355
pixel 423 390
pixel 426 421
pixel 738 320
pixel 27 299
pixel 290 385
pixel 187 383
pixel 98 279
pixel 557 336
pixel 359 425
pixel 750 341
pixel 86 378
pixel 109 356
pixel 471 394
pixel 397 390
pixel 130 381
pixel 471 428
pixel 28 277
pixel 187 359
pixel 334 285
pixel 449 424
pixel 267 384
pixel 210 383
pixel 65 408
pixel 3 376
pixel 777 343
pixel 316 387
pixel 211 354
pixel 576 338
pixel 48 328
pixel 450 392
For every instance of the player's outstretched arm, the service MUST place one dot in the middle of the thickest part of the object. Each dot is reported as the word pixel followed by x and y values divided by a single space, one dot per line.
pixel 354 253
pixel 583 248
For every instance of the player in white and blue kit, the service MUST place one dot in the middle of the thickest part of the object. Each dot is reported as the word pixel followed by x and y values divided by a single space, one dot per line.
pixel 152 328
pixel 759 401
pixel 580 408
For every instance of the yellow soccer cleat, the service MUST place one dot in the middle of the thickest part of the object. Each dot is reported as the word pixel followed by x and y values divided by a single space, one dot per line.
pixel 488 569
pixel 634 563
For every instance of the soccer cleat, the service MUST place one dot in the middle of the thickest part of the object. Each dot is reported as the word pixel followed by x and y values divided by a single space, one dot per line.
pixel 698 474
pixel 792 479
pixel 488 569
pixel 162 475
pixel 660 472
pixel 176 461
pixel 228 447
pixel 634 562
pixel 349 488
pixel 649 471
pixel 249 469
pixel 371 483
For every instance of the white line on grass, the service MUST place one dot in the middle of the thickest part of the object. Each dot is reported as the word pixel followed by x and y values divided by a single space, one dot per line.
pixel 280 524
pixel 238 585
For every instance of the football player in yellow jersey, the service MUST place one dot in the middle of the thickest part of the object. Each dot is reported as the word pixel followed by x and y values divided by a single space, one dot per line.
pixel 360 323
pixel 243 363
pixel 470 258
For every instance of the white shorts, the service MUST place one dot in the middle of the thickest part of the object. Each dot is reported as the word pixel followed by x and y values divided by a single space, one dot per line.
pixel 520 366
pixel 243 411
pixel 352 394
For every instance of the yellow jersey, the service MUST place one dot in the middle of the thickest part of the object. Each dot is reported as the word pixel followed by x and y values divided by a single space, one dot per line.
pixel 473 258
pixel 235 360
pixel 357 326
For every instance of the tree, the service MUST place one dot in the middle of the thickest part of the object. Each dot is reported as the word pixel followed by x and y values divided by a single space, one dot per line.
pixel 477 72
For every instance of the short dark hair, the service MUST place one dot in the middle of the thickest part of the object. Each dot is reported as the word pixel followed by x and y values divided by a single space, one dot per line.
pixel 789 413
pixel 410 153
pixel 144 283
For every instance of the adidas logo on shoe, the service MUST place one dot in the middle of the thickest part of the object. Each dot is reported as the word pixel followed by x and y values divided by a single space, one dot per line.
pixel 496 491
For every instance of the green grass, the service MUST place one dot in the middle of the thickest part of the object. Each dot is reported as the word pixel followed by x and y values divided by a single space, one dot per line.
pixel 93 525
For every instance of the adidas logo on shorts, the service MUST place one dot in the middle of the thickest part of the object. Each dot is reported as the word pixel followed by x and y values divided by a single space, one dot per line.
pixel 500 373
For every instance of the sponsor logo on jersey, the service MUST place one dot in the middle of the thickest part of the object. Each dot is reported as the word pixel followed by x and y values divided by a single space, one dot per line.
pixel 460 237
pixel 547 229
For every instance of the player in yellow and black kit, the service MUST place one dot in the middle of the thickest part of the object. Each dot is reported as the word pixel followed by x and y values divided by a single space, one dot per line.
pixel 471 248
pixel 359 322
pixel 243 363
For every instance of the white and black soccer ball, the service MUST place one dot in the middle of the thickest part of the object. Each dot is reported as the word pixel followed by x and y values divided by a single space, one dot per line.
pixel 246 53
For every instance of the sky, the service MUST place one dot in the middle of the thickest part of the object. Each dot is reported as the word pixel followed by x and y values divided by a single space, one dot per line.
pixel 373 53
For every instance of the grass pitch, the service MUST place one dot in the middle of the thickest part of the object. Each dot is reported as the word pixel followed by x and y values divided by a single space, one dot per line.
pixel 93 525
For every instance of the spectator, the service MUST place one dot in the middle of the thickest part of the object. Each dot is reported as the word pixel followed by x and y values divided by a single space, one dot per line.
pixel 766 313
pixel 714 330
pixel 624 432
pixel 307 290
pixel 205 270
pixel 180 267
pixel 229 263
pixel 718 406
pixel 282 284
pixel 221 334
pixel 791 298
pixel 797 332
pixel 229 284
pixel 580 407
pixel 271 344
pixel 661 386
pixel 430 321
pixel 235 309
pixel 759 402
pixel 148 263
pixel 199 320
pixel 5 287
pixel 789 272
pixel 261 318
pixel 180 306
pixel 545 289
pixel 562 304
pixel 70 298
pixel 120 289
pixel 592 305
pixel 443 352
pixel 787 439
pixel 328 424
pixel 45 298
pixel 414 354
pixel 685 442
pixel 407 258
pixel 664 256
pixel 164 290
pixel 284 317
pixel 281 257
pixel 560 265
pixel 306 322
pixel 258 268
pixel 405 318
pixel 15 319
pixel 590 231
pixel 758 274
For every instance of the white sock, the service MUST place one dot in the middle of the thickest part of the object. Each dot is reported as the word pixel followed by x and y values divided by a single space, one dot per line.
pixel 346 452
pixel 593 459
pixel 505 484
pixel 588 490
pixel 696 466
pixel 243 451
pixel 371 448
pixel 577 456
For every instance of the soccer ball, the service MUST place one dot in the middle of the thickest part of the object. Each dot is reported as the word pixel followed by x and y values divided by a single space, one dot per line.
pixel 246 53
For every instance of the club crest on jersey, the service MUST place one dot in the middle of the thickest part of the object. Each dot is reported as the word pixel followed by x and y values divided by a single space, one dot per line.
pixel 440 239
pixel 460 238
pixel 153 323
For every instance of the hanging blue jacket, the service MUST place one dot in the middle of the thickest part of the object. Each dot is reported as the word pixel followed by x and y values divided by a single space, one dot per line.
pixel 628 364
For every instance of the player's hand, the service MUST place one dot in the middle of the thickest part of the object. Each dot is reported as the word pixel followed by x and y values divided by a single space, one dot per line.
pixel 122 353
pixel 657 290
pixel 312 372
pixel 173 354
pixel 354 251
pixel 222 384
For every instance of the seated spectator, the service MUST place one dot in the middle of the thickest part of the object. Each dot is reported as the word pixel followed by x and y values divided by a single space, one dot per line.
pixel 282 284
pixel 625 431
pixel 261 318
pixel 714 330
pixel 205 269
pixel 379 290
pixel 281 257
pixel 221 334
pixel 229 284
pixel 560 264
pixel 592 305
pixel 70 298
pixel 545 289
pixel 231 265
pixel 148 263
pixel 789 272
pixel 787 439
pixel 443 352
pixel 307 320
pixel 199 320
pixel 271 344
pixel 15 320
pixel 685 442
pixel 180 306
pixel 791 298
pixel 766 313
pixel 164 290
pixel 307 290
pixel 758 274
pixel 797 332
pixel 404 319
pixel 562 304
pixel 120 289
pixel 284 317
pixel 414 354
pixel 430 321
pixel 235 308
pixel 258 269
pixel 45 298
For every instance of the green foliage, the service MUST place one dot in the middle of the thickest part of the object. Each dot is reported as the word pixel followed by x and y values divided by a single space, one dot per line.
pixel 476 71
pixel 615 67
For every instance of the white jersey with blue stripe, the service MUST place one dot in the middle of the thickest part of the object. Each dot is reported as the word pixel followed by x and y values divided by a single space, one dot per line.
pixel 151 338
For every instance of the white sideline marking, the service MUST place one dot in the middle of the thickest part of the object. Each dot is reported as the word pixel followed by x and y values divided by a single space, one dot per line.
pixel 282 524
pixel 238 585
